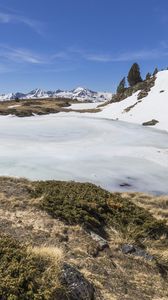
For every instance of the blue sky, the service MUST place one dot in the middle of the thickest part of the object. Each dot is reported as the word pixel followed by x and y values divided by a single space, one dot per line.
pixel 63 44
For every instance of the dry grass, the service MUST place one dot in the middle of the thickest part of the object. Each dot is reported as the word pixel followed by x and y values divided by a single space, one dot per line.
pixel 25 108
pixel 55 258
pixel 108 296
pixel 29 273
pixel 53 254
pixel 156 205
pixel 116 276
pixel 104 104
pixel 91 110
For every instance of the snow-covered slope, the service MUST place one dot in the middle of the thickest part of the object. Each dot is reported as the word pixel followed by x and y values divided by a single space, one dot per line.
pixel 153 106
pixel 79 93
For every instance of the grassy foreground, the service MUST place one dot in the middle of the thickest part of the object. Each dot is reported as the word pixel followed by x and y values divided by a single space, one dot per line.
pixel 46 224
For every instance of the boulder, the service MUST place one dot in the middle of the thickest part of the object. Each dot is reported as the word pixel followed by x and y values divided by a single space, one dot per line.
pixel 97 244
pixel 136 251
pixel 150 123
pixel 78 288
pixel 102 243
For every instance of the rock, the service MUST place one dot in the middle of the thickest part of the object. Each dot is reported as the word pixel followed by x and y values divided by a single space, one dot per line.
pixel 125 184
pixel 136 251
pixel 78 288
pixel 127 249
pixel 63 238
pixel 142 94
pixel 99 244
pixel 150 123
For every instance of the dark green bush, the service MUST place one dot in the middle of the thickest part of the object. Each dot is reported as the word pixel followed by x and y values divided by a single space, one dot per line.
pixel 95 208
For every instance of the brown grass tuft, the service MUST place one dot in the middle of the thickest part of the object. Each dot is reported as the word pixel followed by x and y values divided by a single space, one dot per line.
pixel 51 253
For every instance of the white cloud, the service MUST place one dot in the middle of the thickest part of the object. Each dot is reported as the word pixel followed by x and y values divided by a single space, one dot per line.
pixel 61 55
pixel 127 56
pixel 6 18
pixel 18 55
pixel 98 57
pixel 142 54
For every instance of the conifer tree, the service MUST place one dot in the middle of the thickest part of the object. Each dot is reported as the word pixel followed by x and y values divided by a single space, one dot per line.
pixel 148 76
pixel 155 71
pixel 134 75
pixel 121 86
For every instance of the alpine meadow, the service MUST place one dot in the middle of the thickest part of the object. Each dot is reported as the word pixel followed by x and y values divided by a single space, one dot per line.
pixel 83 150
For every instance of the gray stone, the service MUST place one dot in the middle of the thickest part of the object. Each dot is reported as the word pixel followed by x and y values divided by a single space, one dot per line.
pixel 127 249
pixel 152 122
pixel 78 288
pixel 136 251
pixel 102 243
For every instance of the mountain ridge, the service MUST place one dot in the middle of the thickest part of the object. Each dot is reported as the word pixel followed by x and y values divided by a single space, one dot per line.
pixel 79 93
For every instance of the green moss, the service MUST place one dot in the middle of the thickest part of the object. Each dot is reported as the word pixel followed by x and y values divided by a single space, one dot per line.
pixel 95 208
pixel 23 275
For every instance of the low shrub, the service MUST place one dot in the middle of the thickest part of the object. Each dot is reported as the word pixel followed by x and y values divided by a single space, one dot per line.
pixel 94 209
pixel 26 275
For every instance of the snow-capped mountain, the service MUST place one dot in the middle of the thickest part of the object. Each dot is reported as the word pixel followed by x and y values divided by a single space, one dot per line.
pixel 152 107
pixel 79 93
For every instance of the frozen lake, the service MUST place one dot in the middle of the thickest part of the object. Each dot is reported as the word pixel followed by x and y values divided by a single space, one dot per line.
pixel 115 155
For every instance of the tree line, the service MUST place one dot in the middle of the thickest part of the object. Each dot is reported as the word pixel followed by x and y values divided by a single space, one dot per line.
pixel 134 77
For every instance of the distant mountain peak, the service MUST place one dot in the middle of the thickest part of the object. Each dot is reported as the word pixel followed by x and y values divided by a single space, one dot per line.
pixel 80 89
pixel 79 93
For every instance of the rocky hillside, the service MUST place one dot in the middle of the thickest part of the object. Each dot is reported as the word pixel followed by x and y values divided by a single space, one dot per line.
pixel 79 93
pixel 146 103
pixel 76 241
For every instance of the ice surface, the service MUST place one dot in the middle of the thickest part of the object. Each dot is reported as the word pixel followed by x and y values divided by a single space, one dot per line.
pixel 88 105
pixel 74 147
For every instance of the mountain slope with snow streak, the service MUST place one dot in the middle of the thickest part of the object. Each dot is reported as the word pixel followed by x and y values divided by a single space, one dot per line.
pixel 153 106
